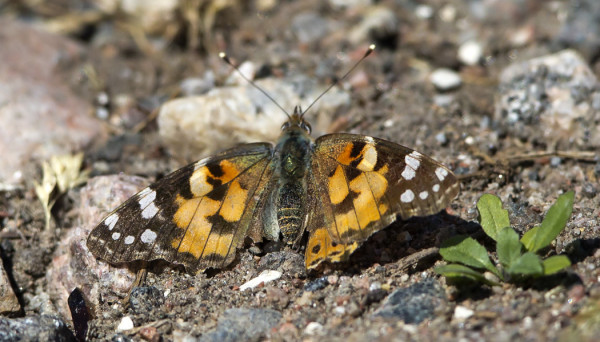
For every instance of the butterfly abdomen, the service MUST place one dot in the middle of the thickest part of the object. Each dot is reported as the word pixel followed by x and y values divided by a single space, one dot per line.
pixel 290 210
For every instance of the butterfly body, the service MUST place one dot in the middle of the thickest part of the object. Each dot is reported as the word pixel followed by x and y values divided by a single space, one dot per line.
pixel 340 188
pixel 291 162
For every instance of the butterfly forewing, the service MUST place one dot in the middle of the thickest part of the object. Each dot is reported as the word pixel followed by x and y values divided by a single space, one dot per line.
pixel 196 216
pixel 368 181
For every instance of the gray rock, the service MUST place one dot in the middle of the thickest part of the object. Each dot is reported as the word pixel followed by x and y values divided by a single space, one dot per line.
pixel 287 262
pixel 35 328
pixel 73 264
pixel 413 304
pixel 243 325
pixel 316 285
pixel 552 95
pixel 581 30
pixel 192 127
pixel 145 298
pixel 39 111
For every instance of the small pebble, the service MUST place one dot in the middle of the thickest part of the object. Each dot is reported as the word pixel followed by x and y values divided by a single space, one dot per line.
pixel 125 324
pixel 317 284
pixel 469 53
pixel 263 278
pixel 424 11
pixel 150 334
pixel 445 79
pixel 441 138
pixel 576 293
pixel 448 13
pixel 589 190
pixel 375 286
pixel 339 310
pixel 462 313
pixel 313 328
pixel 555 161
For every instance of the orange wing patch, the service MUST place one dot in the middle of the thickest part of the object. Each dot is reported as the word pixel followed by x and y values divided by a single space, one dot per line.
pixel 192 216
pixel 204 179
pixel 231 209
pixel 357 194
pixel 364 156
pixel 321 248
pixel 338 187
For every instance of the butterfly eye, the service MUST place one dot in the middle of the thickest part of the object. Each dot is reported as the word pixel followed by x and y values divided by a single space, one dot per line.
pixel 285 125
pixel 306 126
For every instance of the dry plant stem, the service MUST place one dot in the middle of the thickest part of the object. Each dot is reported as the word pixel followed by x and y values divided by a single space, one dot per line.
pixel 191 13
pixel 575 155
pixel 140 279
pixel 415 258
pixel 504 161
pixel 71 23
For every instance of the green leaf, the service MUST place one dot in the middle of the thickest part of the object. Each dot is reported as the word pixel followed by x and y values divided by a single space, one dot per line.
pixel 491 215
pixel 461 271
pixel 508 246
pixel 527 264
pixel 467 251
pixel 554 222
pixel 555 264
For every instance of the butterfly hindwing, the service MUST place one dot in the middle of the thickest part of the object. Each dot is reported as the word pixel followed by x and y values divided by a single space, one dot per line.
pixel 367 182
pixel 196 216
pixel 320 246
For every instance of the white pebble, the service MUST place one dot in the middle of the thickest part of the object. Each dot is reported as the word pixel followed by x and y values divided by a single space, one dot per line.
pixel 263 278
pixel 445 79
pixel 313 328
pixel 125 324
pixel 462 313
pixel 469 53
pixel 424 11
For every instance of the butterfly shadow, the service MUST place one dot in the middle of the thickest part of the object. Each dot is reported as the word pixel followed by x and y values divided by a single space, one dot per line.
pixel 410 245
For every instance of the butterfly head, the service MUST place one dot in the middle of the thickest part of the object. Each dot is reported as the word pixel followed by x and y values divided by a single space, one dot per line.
pixel 296 122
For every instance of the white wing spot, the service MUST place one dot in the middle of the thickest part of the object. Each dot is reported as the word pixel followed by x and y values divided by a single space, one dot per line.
pixel 412 164
pixel 407 196
pixel 129 240
pixel 413 160
pixel 116 236
pixel 146 197
pixel 148 236
pixel 423 195
pixel 111 221
pixel 441 173
pixel 144 192
pixel 370 140
pixel 435 188
pixel 408 173
pixel 149 211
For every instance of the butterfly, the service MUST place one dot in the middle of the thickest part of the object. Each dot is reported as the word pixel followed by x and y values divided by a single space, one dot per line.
pixel 339 189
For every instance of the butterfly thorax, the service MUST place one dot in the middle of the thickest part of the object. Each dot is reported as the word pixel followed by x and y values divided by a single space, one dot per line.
pixel 292 166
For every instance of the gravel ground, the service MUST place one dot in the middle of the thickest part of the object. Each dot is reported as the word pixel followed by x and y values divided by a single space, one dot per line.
pixel 503 92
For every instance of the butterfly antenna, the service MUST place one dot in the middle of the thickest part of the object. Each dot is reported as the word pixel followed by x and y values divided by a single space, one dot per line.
pixel 367 53
pixel 226 59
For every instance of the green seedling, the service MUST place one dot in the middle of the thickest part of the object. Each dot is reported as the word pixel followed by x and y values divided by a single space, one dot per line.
pixel 517 259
